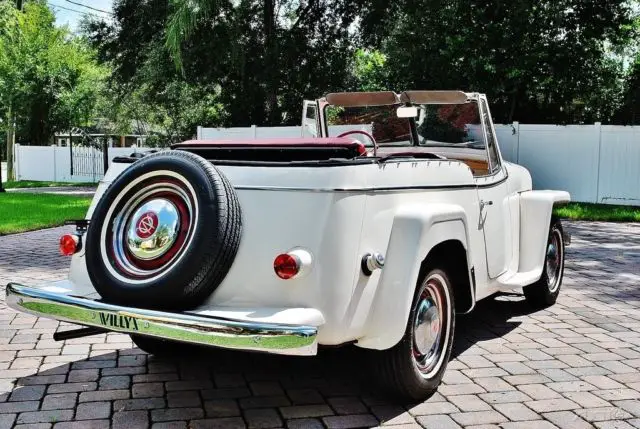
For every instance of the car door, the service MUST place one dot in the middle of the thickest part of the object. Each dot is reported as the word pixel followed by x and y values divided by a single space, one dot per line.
pixel 493 199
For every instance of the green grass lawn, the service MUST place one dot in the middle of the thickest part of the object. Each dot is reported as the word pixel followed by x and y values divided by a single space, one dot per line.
pixel 601 212
pixel 38 184
pixel 21 212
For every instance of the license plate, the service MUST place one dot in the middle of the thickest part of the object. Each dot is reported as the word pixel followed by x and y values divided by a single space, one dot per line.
pixel 118 321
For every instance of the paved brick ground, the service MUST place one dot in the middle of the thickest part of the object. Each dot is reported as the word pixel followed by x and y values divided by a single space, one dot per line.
pixel 575 365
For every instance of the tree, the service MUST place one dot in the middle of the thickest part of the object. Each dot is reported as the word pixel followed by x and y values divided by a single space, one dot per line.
pixel 370 72
pixel 9 78
pixel 539 61
pixel 629 112
pixel 261 58
pixel 49 80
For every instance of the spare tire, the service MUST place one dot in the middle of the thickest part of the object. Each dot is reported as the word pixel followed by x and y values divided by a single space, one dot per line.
pixel 164 234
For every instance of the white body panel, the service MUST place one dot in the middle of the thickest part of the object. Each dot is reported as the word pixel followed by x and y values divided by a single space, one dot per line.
pixel 399 208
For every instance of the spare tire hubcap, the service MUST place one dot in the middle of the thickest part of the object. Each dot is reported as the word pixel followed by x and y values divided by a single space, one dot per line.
pixel 153 229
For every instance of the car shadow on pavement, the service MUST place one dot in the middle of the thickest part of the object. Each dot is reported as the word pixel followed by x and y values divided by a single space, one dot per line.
pixel 220 383
pixel 492 318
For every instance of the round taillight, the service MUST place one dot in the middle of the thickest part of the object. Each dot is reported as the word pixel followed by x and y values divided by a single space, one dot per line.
pixel 69 244
pixel 286 266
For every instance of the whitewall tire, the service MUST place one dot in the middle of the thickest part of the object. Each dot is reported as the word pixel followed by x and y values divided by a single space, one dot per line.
pixel 413 368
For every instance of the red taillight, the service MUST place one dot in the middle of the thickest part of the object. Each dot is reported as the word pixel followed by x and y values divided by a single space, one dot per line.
pixel 286 266
pixel 69 244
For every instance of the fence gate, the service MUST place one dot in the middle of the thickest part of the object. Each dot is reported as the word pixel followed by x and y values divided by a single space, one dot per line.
pixel 89 157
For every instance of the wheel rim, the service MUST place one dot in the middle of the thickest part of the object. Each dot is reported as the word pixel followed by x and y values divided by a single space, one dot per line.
pixel 554 259
pixel 149 226
pixel 431 325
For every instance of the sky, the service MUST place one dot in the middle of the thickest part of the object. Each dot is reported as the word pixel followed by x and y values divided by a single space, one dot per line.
pixel 72 17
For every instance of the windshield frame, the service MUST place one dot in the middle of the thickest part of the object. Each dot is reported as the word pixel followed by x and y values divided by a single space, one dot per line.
pixel 425 98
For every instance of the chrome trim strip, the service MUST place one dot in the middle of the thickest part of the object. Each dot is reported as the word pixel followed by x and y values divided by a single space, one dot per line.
pixel 385 189
pixel 370 189
pixel 231 334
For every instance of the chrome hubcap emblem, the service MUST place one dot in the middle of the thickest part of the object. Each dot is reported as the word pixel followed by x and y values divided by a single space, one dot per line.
pixel 153 228
pixel 146 225
pixel 427 327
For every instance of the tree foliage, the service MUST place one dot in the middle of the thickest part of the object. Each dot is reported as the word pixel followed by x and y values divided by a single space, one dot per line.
pixel 262 58
pixel 168 66
pixel 538 61
pixel 48 78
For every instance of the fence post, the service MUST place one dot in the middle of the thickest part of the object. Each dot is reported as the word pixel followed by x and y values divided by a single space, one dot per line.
pixel 199 132
pixel 598 127
pixel 55 167
pixel 105 156
pixel 16 162
pixel 516 130
pixel 71 152
pixel 254 129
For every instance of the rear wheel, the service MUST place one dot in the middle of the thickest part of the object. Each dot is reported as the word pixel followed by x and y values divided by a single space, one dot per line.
pixel 545 291
pixel 414 367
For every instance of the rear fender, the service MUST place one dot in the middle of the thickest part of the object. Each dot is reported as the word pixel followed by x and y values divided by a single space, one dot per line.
pixel 416 230
pixel 536 208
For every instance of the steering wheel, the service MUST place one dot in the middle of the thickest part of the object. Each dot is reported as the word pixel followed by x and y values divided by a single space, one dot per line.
pixel 346 133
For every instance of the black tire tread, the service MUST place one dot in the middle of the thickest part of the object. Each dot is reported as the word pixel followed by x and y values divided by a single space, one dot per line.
pixel 537 294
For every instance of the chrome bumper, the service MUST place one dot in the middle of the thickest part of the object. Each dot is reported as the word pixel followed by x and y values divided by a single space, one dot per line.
pixel 230 334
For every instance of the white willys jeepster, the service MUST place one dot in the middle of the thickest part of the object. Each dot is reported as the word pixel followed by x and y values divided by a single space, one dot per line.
pixel 386 217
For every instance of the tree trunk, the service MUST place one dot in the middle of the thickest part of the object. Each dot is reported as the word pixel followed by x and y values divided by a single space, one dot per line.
pixel 271 62
pixel 11 139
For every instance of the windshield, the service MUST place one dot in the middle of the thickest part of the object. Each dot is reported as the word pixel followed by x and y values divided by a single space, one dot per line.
pixel 380 121
pixel 450 125
pixel 438 125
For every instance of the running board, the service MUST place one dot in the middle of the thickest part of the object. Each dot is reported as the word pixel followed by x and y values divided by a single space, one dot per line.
pixel 511 280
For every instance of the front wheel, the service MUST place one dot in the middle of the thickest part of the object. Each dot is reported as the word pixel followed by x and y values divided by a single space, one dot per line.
pixel 413 368
pixel 545 291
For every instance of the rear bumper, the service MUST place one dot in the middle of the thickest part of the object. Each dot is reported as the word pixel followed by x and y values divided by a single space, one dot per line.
pixel 210 331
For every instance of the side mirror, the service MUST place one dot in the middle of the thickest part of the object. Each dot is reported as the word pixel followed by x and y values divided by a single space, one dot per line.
pixel 407 112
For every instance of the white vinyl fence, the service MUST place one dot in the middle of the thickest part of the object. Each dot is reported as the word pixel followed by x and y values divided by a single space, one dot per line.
pixel 53 163
pixel 595 163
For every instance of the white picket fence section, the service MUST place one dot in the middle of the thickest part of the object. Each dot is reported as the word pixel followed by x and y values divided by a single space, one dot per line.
pixel 53 163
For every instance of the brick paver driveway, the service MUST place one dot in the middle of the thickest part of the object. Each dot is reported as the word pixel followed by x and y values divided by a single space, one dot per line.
pixel 573 365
